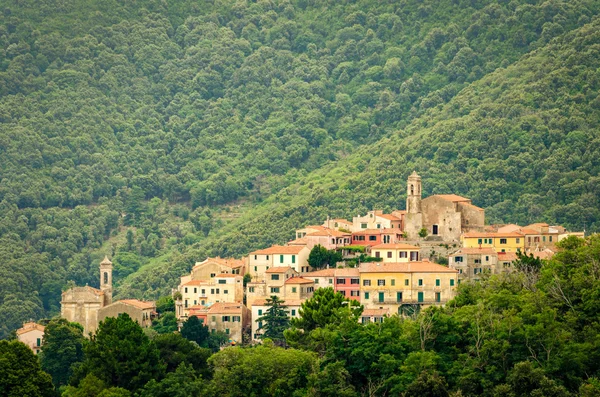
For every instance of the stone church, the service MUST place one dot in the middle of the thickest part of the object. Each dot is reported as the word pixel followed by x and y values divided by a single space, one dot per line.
pixel 444 216
pixel 82 304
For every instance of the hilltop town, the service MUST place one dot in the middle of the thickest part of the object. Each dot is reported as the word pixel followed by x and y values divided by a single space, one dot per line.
pixel 396 263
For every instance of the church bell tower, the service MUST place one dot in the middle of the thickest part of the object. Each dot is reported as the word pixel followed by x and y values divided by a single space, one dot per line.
pixel 413 194
pixel 106 268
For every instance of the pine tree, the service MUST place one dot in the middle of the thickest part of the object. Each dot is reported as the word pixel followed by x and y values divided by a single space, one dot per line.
pixel 275 321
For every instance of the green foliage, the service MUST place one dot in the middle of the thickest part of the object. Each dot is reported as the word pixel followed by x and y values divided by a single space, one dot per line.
pixel 167 323
pixel 320 256
pixel 423 232
pixel 20 373
pixel 175 350
pixel 275 321
pixel 62 350
pixel 193 330
pixel 165 304
pixel 121 355
pixel 183 382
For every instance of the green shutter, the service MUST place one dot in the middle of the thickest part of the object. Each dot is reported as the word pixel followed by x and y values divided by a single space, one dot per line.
pixel 366 295
pixel 399 296
pixel 293 258
pixel 437 282
pixel 420 297
pixel 280 258
pixel 452 282
pixel 381 297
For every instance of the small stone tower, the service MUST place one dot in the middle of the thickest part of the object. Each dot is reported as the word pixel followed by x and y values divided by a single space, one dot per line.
pixel 106 268
pixel 413 194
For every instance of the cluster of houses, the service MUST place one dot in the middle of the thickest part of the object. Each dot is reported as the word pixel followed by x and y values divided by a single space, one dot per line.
pixel 400 276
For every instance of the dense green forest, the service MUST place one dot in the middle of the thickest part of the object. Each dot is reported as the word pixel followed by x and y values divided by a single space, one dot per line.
pixel 163 132
pixel 532 332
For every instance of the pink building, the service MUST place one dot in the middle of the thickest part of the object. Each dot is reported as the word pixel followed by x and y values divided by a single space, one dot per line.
pixel 347 282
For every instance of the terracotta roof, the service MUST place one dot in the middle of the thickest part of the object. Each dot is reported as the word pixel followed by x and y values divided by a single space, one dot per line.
pixel 321 273
pixel 479 234
pixel 451 197
pixel 298 241
pixel 398 212
pixel 329 232
pixel 507 256
pixel 225 308
pixel 30 326
pixel 378 231
pixel 106 261
pixel 137 303
pixel 399 246
pixel 511 227
pixel 280 269
pixel 196 282
pixel 279 249
pixel 404 267
pixel 528 231
pixel 468 251
pixel 298 280
pixel 347 272
pixel 375 312
pixel 389 217
pixel 286 302
pixel 229 262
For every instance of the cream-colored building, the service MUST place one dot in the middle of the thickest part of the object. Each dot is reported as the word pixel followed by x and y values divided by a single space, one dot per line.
pixel 322 278
pixel 374 315
pixel 376 219
pixel 82 304
pixel 211 267
pixel 32 334
pixel 272 284
pixel 222 287
pixel 294 256
pixel 260 308
pixel 231 318
pixel 140 311
pixel 298 288
pixel 339 224
pixel 394 285
pixel 472 263
pixel 398 252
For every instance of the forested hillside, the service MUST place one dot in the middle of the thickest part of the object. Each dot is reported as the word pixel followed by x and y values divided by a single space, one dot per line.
pixel 128 128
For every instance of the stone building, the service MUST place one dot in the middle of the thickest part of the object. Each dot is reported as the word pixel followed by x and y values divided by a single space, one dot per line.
pixel 82 304
pixel 32 334
pixel 446 216
pixel 140 311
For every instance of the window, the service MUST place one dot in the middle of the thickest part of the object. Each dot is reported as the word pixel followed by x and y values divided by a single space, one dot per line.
pixel 274 276
pixel 255 268
pixel 251 289
pixel 222 281
pixel 437 282
pixel 363 225
pixel 355 281
pixel 293 312
pixel 381 282
pixel 255 256
pixel 389 254
pixel 379 226
pixel 225 291
pixel 544 239
pixel 195 290
pixel 420 282
pixel 260 312
pixel 435 230
pixel 186 303
pixel 406 282
pixel 294 289
pixel 414 256
pixel 185 290
pixel 458 259
pixel 366 283
pixel 402 254
pixel 316 281
pixel 195 302
pixel 225 319
pixel 260 324
pixel 487 258
pixel 452 282
pixel 381 297
pixel 203 292
pixel 237 319
pixel 438 296
pixel 214 318
pixel 377 254
pixel 518 240
pixel 366 295
pixel 203 303
pixel 503 250
pixel 393 282
pixel 274 290
pixel 267 257
pixel 479 241
pixel 39 342
pixel 459 271
pixel 502 241
pixel 477 261
pixel 372 238
pixel 549 239
pixel 280 258
pixel 342 292
pixel 293 258
pixel 420 297
pixel 398 296
pixel 227 331
pixel 354 293
pixel 212 275
pixel 340 281
pixel 217 290
pixel 330 281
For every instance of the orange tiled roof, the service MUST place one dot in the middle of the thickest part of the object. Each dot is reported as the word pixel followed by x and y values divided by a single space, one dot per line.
pixel 479 234
pixel 30 326
pixel 329 232
pixel 321 273
pixel 507 256
pixel 298 241
pixel 528 231
pixel 375 312
pixel 196 282
pixel 378 231
pixel 229 262
pixel 468 251
pixel 298 280
pixel 404 267
pixel 398 246
pixel 279 249
pixel 280 269
pixel 138 303
pixel 225 308
pixel 347 272
pixel 451 197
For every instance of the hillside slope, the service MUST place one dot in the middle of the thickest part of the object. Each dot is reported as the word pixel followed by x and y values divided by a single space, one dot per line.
pixel 523 141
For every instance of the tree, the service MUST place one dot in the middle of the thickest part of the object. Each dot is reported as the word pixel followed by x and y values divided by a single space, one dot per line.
pixel 20 372
pixel 91 386
pixel 423 232
pixel 275 321
pixel 165 304
pixel 183 382
pixel 121 355
pixel 167 323
pixel 428 384
pixel 193 330
pixel 62 350
pixel 318 256
pixel 175 350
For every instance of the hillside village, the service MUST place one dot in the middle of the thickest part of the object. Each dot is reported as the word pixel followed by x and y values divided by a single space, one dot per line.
pixel 394 263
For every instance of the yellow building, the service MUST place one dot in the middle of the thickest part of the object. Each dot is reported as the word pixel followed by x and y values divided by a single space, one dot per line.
pixel 294 256
pixel 223 287
pixel 500 242
pixel 415 284
pixel 393 253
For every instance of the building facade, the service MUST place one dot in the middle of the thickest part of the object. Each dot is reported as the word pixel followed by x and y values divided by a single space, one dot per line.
pixel 32 334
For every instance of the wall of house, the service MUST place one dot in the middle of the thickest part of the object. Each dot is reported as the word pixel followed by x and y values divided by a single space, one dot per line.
pixel 473 218
pixel 258 265
pixel 443 213
pixel 141 316
pixel 81 305
pixel 31 338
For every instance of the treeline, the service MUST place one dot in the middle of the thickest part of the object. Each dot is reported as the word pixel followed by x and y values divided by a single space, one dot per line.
pixel 532 332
